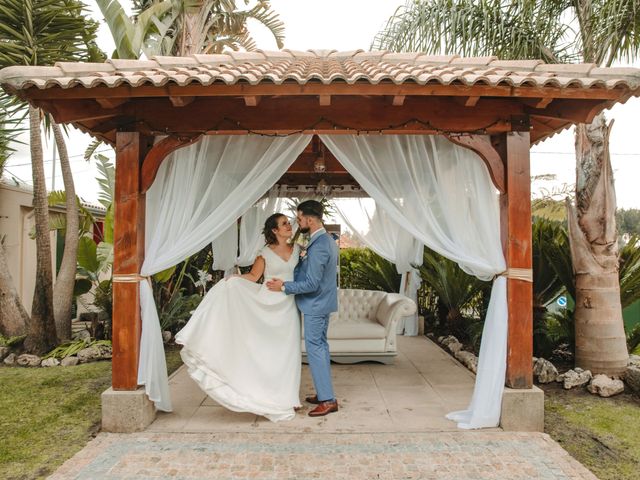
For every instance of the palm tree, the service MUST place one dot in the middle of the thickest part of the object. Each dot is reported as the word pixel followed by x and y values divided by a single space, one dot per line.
pixel 184 27
pixel 41 32
pixel 593 31
pixel 66 277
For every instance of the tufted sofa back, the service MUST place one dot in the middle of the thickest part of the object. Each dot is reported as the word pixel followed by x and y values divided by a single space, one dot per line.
pixel 357 306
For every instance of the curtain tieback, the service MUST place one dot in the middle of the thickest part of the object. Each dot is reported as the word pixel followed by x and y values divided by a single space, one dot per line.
pixel 524 274
pixel 128 277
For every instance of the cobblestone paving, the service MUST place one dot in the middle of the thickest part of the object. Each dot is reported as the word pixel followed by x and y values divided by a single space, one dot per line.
pixel 441 455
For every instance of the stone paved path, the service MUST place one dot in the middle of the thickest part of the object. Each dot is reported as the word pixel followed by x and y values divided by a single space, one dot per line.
pixel 431 455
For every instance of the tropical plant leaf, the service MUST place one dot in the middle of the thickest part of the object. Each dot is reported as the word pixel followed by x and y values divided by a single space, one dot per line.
pixel 106 180
pixel 165 275
pixel 87 254
pixel 104 254
pixel 82 286
pixel 107 226
pixel 629 272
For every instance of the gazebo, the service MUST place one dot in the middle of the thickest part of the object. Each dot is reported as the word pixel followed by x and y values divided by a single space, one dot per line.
pixel 149 108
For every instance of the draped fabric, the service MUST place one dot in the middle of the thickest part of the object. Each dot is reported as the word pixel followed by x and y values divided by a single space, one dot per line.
pixel 443 196
pixel 199 193
pixel 251 225
pixel 389 240
pixel 233 248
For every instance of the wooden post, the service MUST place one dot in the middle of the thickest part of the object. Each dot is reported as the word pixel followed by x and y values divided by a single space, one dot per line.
pixel 128 255
pixel 516 241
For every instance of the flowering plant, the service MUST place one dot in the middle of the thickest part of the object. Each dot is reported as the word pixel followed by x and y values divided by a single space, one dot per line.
pixel 203 278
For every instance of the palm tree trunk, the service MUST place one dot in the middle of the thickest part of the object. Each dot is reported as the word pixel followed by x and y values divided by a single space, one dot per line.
pixel 13 317
pixel 41 331
pixel 66 278
pixel 600 338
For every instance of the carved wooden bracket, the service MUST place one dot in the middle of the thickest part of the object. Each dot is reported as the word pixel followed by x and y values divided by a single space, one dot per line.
pixel 156 156
pixel 481 144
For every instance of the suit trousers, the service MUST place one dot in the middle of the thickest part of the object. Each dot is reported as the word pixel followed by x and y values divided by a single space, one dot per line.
pixel 315 340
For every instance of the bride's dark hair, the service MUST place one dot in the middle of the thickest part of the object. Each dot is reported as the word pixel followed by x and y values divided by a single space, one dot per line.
pixel 270 225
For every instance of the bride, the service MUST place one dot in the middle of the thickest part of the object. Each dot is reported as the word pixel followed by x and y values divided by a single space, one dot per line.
pixel 242 344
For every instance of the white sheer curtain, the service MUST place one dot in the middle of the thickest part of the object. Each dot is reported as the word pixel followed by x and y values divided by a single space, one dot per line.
pixel 251 225
pixel 442 194
pixel 389 240
pixel 231 248
pixel 200 191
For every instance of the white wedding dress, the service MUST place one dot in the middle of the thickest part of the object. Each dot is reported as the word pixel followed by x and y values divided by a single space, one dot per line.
pixel 242 344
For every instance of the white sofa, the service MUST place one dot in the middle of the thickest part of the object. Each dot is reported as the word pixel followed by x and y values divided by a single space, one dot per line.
pixel 364 328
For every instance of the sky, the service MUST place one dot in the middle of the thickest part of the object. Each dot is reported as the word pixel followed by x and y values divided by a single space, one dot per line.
pixel 350 25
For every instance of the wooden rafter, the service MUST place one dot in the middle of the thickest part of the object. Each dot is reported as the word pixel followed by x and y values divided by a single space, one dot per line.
pixel 181 101
pixel 481 144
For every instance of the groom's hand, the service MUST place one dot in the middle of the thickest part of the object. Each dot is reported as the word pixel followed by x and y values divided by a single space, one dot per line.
pixel 275 284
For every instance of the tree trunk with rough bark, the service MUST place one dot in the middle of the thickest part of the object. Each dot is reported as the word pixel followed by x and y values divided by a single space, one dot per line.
pixel 66 278
pixel 41 331
pixel 600 338
pixel 13 317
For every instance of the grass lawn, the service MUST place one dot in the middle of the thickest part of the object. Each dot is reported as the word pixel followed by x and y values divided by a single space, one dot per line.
pixel 48 414
pixel 601 433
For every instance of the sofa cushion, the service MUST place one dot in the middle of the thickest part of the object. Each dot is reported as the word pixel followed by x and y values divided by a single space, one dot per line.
pixel 356 330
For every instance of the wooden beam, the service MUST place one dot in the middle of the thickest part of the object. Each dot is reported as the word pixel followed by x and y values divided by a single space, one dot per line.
pixel 481 144
pixel 516 237
pixel 317 88
pixel 398 100
pixel 471 101
pixel 181 101
pixel 251 100
pixel 128 255
pixel 80 110
pixel 156 156
pixel 109 103
pixel 325 100
pixel 424 115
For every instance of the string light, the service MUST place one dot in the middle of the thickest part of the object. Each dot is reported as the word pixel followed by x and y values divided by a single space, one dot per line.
pixel 312 127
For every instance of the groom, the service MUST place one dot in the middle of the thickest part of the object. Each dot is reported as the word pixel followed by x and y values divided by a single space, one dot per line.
pixel 316 290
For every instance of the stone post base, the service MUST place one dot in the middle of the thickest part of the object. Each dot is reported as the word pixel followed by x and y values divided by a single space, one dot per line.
pixel 126 411
pixel 522 410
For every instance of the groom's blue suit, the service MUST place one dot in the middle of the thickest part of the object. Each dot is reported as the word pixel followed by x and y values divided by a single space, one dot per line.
pixel 316 290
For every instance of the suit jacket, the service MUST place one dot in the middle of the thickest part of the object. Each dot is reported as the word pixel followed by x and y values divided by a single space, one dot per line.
pixel 315 277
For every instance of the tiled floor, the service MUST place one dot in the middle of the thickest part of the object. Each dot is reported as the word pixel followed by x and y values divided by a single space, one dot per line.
pixel 391 425
pixel 340 456
pixel 413 394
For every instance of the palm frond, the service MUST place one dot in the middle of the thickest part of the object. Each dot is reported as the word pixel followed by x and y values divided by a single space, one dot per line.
pixel 59 198
pixel 454 288
pixel 515 29
pixel 106 180
pixel 41 32
pixel 91 149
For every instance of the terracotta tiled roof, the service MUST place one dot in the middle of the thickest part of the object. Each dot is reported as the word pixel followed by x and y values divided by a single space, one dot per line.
pixel 324 66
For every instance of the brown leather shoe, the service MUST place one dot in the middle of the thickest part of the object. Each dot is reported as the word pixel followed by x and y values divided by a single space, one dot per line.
pixel 312 399
pixel 324 408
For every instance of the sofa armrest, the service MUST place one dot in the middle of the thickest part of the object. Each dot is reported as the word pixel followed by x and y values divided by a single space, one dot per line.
pixel 392 308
